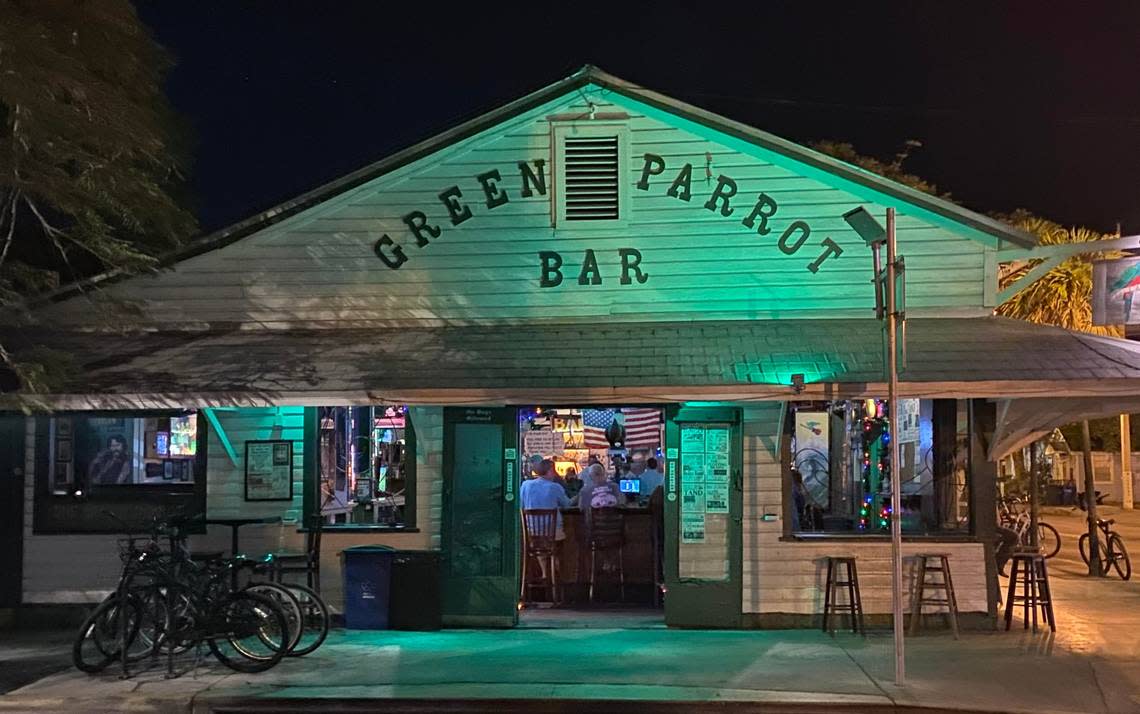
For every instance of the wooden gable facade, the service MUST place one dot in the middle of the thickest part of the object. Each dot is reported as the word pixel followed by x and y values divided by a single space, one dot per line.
pixel 714 223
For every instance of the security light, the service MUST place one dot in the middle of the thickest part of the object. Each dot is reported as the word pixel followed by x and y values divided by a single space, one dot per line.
pixel 866 226
pixel 798 383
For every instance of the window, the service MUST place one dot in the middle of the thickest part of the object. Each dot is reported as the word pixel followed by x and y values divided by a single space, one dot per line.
pixel 135 465
pixel 365 467
pixel 839 461
pixel 92 453
pixel 590 187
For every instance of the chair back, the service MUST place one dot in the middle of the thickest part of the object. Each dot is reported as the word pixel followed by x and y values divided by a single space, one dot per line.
pixel 607 528
pixel 313 538
pixel 540 527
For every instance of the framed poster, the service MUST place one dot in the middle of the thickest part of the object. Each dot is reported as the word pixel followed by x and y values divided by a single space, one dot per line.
pixel 269 470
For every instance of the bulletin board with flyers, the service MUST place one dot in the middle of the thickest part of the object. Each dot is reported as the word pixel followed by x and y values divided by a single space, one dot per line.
pixel 705 465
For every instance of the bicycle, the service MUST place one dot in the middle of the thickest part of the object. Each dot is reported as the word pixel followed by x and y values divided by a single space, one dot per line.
pixel 165 602
pixel 1111 549
pixel 1013 515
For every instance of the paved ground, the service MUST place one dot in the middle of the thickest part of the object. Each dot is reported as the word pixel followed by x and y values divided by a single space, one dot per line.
pixel 1091 665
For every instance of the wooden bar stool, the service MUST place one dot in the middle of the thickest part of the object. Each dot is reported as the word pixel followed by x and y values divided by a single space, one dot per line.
pixel 607 533
pixel 540 534
pixel 945 584
pixel 832 589
pixel 1035 593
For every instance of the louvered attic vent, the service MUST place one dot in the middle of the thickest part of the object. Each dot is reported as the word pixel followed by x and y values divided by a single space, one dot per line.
pixel 591 191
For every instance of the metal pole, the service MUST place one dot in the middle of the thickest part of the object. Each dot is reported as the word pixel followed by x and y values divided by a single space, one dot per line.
pixel 1037 458
pixel 1095 566
pixel 896 490
pixel 1126 461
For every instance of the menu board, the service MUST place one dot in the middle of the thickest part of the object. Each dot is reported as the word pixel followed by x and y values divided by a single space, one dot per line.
pixel 269 470
pixel 544 442
pixel 705 474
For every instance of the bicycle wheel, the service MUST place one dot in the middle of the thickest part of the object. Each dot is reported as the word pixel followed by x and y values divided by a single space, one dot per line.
pixel 290 606
pixel 1048 539
pixel 1120 559
pixel 1083 547
pixel 315 620
pixel 98 642
pixel 254 632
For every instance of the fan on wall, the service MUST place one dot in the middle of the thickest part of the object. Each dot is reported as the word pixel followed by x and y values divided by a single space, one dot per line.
pixel 813 465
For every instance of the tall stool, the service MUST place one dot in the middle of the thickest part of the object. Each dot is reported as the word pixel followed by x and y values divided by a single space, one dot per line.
pixel 607 533
pixel 945 584
pixel 1035 593
pixel 540 542
pixel 834 586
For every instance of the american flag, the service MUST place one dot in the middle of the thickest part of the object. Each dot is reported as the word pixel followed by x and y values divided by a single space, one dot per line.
pixel 594 425
pixel 642 427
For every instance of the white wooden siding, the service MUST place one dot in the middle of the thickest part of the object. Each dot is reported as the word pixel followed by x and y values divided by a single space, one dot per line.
pixel 84 568
pixel 318 268
pixel 788 577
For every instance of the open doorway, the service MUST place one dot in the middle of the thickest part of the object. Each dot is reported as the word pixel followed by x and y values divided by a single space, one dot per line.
pixel 591 514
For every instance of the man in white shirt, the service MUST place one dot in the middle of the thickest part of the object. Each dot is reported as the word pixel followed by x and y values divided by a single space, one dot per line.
pixel 544 492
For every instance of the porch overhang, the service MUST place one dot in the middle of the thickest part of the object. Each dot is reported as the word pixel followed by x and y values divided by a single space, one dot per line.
pixel 646 362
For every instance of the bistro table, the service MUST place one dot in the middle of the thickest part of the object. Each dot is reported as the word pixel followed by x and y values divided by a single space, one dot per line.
pixel 235 524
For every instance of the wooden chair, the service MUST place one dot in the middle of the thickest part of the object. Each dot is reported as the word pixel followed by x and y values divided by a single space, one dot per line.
pixel 308 562
pixel 540 532
pixel 607 532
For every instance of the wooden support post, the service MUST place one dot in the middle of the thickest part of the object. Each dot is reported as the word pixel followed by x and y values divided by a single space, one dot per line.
pixel 982 481
pixel 1095 566
pixel 1037 461
pixel 1126 462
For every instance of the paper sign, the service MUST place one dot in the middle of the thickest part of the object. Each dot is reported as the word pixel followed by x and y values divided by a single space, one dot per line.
pixel 692 498
pixel 268 470
pixel 908 420
pixel 543 442
pixel 716 499
pixel 692 439
pixel 693 469
pixel 671 453
pixel 716 468
pixel 716 440
pixel 672 469
pixel 693 528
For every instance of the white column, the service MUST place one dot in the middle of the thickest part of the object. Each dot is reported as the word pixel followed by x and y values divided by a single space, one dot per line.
pixel 1125 462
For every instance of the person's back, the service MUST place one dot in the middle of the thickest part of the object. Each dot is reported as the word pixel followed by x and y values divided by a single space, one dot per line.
pixel 651 479
pixel 542 493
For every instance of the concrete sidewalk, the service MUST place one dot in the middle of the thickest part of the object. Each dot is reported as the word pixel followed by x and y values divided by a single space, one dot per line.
pixel 1014 672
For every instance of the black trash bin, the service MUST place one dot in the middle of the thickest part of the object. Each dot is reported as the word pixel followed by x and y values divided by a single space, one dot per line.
pixel 415 601
pixel 367 585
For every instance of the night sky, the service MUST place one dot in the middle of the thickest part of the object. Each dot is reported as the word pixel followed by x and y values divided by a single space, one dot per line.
pixel 1028 104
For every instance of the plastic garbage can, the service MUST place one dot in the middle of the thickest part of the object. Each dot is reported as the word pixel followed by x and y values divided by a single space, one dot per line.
pixel 367 584
pixel 415 602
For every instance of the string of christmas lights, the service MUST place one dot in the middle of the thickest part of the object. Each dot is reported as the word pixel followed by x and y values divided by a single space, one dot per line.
pixel 876 438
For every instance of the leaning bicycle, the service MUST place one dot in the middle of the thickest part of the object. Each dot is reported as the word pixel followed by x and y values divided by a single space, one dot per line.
pixel 1111 548
pixel 1012 514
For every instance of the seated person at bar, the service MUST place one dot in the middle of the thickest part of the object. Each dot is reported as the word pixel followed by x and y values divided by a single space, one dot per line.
pixel 596 493
pixel 651 480
pixel 542 492
pixel 573 483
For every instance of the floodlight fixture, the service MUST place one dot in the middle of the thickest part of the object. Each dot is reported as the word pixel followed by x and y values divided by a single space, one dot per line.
pixel 798 383
pixel 866 226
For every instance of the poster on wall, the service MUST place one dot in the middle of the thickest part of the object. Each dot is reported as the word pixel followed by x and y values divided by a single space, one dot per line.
pixel 269 470
pixel 908 421
pixel 692 498
pixel 716 499
pixel 1116 292
pixel 544 442
pixel 716 468
pixel 692 440
pixel 692 528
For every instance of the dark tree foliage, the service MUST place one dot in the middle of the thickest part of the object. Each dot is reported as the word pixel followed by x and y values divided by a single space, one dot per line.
pixel 91 155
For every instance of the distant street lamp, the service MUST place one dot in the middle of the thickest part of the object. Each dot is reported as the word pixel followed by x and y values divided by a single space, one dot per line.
pixel 887 303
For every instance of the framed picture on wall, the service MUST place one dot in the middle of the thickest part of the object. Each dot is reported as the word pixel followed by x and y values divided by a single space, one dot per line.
pixel 269 470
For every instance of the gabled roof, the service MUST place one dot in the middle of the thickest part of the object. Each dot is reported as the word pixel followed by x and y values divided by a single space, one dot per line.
pixel 640 362
pixel 590 75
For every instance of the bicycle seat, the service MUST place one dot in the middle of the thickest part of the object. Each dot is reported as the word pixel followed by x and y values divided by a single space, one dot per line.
pixel 1105 522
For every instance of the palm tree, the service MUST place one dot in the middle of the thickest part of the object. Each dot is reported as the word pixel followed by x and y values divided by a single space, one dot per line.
pixel 1063 296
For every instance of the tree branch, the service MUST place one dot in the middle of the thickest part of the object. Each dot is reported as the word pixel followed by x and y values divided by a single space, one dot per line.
pixel 9 209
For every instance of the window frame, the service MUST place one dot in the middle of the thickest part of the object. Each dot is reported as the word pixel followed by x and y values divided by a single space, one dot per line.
pixel 965 533
pixel 54 513
pixel 585 129
pixel 310 485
